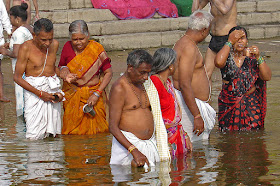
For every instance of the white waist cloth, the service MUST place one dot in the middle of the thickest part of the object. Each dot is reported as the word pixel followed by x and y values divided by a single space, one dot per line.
pixel 208 115
pixel 120 155
pixel 42 118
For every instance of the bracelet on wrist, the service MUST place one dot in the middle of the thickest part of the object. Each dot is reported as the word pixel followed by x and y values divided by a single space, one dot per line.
pixel 41 93
pixel 260 60
pixel 228 43
pixel 131 148
pixel 100 92
pixel 197 116
pixel 96 94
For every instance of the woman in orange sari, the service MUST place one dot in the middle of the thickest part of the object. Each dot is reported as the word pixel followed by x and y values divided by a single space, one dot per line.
pixel 82 63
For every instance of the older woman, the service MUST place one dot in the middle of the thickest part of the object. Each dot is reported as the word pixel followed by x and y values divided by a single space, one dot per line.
pixel 22 33
pixel 242 101
pixel 86 71
pixel 163 67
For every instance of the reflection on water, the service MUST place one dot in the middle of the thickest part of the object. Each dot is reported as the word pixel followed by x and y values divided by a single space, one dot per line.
pixel 245 158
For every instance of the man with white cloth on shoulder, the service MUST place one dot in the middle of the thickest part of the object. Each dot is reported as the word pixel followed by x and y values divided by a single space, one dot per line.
pixel 191 81
pixel 36 58
pixel 135 117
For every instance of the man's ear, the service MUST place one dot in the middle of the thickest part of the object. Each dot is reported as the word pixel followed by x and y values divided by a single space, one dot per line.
pixel 129 68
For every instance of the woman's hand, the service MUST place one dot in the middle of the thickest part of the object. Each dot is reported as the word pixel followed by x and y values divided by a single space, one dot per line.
pixel 58 97
pixel 235 36
pixel 92 100
pixel 254 51
pixel 71 78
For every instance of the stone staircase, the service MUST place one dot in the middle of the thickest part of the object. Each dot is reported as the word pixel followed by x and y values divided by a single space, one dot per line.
pixel 260 17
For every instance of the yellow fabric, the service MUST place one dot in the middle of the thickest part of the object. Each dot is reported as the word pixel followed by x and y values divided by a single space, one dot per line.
pixel 75 121
pixel 161 133
pixel 82 62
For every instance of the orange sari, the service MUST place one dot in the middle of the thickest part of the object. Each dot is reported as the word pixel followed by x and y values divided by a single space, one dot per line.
pixel 86 65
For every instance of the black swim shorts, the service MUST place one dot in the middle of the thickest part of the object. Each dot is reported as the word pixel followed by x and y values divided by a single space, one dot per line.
pixel 217 43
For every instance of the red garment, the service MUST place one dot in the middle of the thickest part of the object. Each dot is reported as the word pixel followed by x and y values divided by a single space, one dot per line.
pixel 68 54
pixel 166 99
pixel 137 9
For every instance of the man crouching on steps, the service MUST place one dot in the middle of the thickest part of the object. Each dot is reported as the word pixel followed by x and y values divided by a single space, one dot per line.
pixel 36 58
pixel 135 117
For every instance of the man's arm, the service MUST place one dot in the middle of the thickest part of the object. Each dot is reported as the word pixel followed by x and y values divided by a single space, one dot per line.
pixel 8 5
pixel 223 6
pixel 21 65
pixel 116 104
pixel 186 69
pixel 199 4
pixel 5 20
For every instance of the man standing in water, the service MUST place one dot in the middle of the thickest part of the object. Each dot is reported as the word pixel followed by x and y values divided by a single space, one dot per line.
pixel 36 58
pixel 190 79
pixel 225 14
pixel 132 116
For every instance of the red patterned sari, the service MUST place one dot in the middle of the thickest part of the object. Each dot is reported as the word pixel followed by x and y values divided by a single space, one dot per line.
pixel 238 111
pixel 172 115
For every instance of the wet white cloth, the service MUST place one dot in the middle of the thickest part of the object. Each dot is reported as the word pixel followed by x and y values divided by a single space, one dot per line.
pixel 120 155
pixel 161 133
pixel 42 118
pixel 4 24
pixel 19 36
pixel 208 115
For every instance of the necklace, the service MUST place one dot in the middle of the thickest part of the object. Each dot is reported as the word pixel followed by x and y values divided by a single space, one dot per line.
pixel 138 97
pixel 192 42
pixel 163 82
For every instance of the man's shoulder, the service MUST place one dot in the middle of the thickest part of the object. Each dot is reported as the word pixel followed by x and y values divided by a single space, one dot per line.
pixel 118 85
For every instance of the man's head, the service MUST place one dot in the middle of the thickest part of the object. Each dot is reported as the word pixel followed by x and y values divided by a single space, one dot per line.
pixel 200 21
pixel 139 65
pixel 43 33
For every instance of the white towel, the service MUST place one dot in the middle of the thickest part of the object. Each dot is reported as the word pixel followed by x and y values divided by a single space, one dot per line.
pixel 161 133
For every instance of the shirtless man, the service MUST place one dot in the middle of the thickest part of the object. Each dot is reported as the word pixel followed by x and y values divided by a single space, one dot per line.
pixel 225 14
pixel 36 58
pixel 130 118
pixel 190 79
pixel 18 2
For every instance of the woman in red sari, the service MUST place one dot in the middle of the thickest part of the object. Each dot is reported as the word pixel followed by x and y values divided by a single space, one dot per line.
pixel 82 63
pixel 163 67
pixel 242 101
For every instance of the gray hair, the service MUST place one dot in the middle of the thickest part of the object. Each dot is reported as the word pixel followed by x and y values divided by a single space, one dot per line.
pixel 199 20
pixel 162 59
pixel 78 26
pixel 137 57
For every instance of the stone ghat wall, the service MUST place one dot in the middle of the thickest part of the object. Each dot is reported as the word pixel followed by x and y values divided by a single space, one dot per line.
pixel 260 17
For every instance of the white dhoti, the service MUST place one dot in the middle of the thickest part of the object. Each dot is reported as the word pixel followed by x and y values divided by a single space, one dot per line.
pixel 120 155
pixel 208 115
pixel 42 118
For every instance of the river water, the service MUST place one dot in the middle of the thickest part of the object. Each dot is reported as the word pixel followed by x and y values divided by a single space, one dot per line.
pixel 236 158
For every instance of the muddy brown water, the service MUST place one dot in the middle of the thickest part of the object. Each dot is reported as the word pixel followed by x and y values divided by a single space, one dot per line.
pixel 236 158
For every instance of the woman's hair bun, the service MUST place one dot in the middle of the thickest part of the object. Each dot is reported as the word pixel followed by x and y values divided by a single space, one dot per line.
pixel 24 6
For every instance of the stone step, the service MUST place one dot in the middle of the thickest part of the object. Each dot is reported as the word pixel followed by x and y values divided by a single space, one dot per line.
pixel 128 26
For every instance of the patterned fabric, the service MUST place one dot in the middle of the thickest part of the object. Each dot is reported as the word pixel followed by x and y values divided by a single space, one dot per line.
pixel 161 134
pixel 171 113
pixel 20 35
pixel 85 65
pixel 238 111
pixel 140 9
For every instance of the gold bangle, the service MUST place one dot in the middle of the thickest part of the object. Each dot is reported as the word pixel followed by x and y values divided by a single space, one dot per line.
pixel 131 148
pixel 197 116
